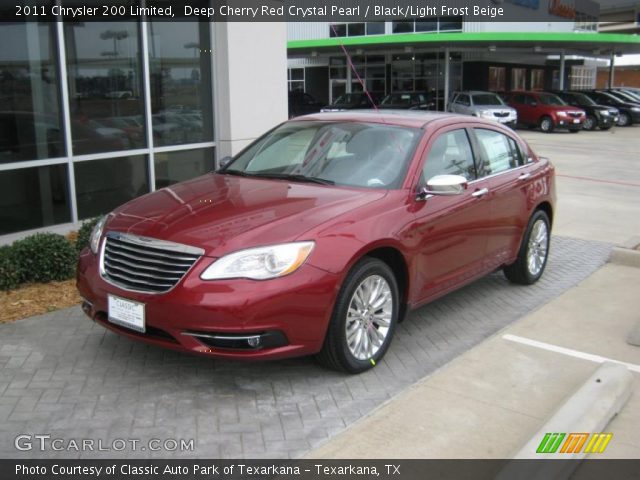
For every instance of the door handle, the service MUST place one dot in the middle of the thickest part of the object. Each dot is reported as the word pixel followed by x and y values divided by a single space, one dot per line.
pixel 480 193
pixel 524 176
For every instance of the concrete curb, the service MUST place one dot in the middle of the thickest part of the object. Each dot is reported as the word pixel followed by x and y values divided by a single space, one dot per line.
pixel 626 254
pixel 588 410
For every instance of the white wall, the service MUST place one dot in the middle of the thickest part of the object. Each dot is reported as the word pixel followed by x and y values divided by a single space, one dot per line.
pixel 250 76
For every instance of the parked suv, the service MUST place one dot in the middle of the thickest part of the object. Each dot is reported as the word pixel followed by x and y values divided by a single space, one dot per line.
pixel 600 116
pixel 408 101
pixel 485 105
pixel 301 103
pixel 353 101
pixel 546 111
pixel 629 111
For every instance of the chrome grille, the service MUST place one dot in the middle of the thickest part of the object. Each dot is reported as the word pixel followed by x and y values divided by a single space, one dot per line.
pixel 143 264
pixel 501 114
pixel 575 114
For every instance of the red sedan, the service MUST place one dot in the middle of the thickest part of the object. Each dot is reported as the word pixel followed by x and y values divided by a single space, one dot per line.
pixel 320 236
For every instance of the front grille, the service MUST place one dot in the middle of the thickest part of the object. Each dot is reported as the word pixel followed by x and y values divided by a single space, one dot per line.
pixel 144 264
pixel 501 114
pixel 575 114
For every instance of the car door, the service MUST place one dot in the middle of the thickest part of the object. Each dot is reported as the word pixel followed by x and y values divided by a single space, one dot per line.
pixel 450 230
pixel 506 168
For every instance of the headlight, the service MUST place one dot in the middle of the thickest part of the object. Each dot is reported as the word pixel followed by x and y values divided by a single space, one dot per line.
pixel 562 113
pixel 96 234
pixel 260 263
pixel 603 112
pixel 635 109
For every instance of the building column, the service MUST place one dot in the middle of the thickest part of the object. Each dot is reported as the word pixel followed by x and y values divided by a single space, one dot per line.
pixel 612 67
pixel 250 82
pixel 446 79
pixel 561 85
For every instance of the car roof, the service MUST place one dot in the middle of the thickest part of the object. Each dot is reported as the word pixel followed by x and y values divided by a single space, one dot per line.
pixel 404 118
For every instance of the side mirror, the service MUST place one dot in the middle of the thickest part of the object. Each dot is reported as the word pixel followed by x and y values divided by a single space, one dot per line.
pixel 224 161
pixel 444 185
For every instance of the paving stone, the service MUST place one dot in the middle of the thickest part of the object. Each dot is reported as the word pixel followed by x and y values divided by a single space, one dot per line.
pixel 61 373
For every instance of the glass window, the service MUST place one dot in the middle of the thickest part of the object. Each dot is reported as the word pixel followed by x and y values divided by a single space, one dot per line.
pixel 375 28
pixel 105 86
pixel 337 30
pixel 181 88
pixel 174 167
pixel 450 23
pixel 450 154
pixel 102 185
pixel 496 79
pixel 427 26
pixel 30 126
pixel 518 78
pixel 463 99
pixel 33 198
pixel 537 79
pixel 402 27
pixel 355 29
pixel 501 151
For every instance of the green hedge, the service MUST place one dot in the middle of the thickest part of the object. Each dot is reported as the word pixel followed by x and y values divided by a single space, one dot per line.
pixel 84 234
pixel 9 268
pixel 44 257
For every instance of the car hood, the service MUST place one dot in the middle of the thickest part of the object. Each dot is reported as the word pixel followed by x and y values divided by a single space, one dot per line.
pixel 224 213
pixel 492 108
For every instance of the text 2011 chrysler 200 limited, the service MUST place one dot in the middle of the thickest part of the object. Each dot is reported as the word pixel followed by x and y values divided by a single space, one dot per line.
pixel 320 236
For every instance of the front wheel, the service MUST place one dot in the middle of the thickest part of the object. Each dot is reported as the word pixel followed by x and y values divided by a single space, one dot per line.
pixel 533 253
pixel 546 124
pixel 364 318
pixel 590 123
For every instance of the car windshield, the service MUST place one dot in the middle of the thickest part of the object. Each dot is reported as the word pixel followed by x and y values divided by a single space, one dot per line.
pixel 398 99
pixel 487 99
pixel 628 96
pixel 349 98
pixel 582 99
pixel 341 153
pixel 548 99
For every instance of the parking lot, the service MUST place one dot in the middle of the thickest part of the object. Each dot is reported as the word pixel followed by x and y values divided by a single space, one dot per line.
pixel 62 375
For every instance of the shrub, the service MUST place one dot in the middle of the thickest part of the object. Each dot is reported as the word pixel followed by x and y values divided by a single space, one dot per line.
pixel 44 257
pixel 9 268
pixel 84 234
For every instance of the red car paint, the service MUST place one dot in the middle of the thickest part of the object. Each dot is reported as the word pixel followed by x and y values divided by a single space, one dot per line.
pixel 443 243
pixel 532 110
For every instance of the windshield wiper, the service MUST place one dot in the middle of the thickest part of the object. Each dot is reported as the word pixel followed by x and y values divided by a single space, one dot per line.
pixel 293 176
pixel 239 173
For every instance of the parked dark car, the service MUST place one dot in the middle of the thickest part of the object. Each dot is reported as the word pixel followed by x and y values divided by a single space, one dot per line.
pixel 320 236
pixel 625 94
pixel 301 103
pixel 629 111
pixel 545 110
pixel 408 101
pixel 353 101
pixel 598 116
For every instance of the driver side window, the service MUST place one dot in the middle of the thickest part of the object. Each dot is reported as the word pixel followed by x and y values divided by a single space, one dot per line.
pixel 450 154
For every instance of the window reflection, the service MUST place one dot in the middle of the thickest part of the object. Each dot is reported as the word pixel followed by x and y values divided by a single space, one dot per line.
pixel 30 126
pixel 33 197
pixel 174 167
pixel 102 185
pixel 105 88
pixel 180 64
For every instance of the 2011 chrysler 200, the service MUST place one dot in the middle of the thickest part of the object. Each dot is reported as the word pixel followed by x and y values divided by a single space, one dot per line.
pixel 320 236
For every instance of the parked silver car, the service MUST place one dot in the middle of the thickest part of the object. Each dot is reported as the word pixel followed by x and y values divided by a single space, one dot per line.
pixel 485 105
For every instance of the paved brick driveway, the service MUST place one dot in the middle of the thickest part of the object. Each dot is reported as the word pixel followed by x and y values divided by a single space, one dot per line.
pixel 60 374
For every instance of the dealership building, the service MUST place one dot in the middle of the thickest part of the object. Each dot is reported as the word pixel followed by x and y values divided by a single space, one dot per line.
pixel 94 114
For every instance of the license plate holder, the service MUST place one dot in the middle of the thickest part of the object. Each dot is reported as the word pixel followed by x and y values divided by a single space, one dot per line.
pixel 126 313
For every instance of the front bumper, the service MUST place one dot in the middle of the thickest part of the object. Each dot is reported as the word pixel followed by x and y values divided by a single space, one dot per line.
pixel 570 123
pixel 290 314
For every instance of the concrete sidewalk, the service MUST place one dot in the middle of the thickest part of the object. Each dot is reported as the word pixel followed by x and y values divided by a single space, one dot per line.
pixel 488 402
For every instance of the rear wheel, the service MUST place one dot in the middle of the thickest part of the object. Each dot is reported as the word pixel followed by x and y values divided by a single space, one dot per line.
pixel 590 123
pixel 546 124
pixel 533 253
pixel 364 318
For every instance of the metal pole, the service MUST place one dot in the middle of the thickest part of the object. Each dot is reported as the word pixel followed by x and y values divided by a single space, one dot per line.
pixel 446 79
pixel 561 86
pixel 612 66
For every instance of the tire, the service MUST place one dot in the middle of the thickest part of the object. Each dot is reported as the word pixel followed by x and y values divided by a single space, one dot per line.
pixel 590 123
pixel 546 124
pixel 349 345
pixel 624 120
pixel 535 245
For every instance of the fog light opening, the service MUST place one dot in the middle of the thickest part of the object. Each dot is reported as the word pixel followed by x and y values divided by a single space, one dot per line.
pixel 254 342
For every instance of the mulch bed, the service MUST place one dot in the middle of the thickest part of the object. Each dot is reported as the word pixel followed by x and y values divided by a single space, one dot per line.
pixel 37 298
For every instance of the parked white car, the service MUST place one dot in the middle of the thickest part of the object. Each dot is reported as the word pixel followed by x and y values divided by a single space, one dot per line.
pixel 487 105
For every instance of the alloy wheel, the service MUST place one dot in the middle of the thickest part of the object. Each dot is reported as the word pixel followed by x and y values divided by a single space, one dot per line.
pixel 623 120
pixel 589 123
pixel 545 125
pixel 369 317
pixel 537 247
